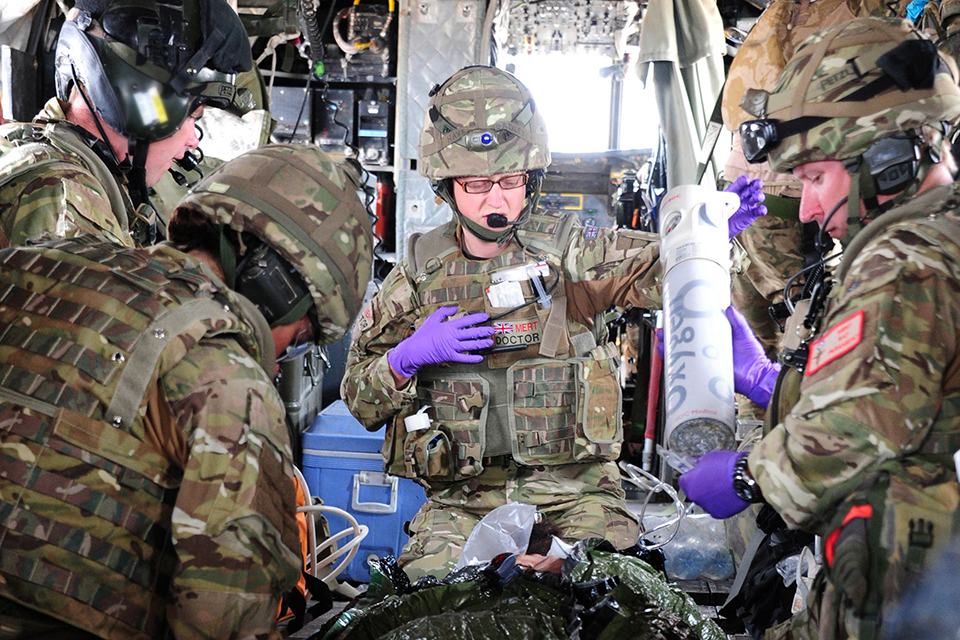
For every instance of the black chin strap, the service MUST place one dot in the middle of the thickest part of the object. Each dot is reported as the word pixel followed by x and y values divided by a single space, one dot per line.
pixel 103 147
pixel 146 226
pixel 137 175
pixel 823 243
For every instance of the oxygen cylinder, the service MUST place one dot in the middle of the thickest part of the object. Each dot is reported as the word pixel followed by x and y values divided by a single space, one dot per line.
pixel 698 354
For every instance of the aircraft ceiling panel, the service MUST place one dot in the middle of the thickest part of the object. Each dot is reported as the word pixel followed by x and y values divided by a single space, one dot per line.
pixel 562 26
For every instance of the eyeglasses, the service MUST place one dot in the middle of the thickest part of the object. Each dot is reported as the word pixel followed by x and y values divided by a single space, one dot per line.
pixel 483 186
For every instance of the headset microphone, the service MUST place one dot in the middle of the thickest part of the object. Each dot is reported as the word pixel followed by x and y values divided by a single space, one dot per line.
pixel 497 221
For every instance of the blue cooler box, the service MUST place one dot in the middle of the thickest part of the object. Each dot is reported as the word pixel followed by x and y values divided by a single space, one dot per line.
pixel 343 465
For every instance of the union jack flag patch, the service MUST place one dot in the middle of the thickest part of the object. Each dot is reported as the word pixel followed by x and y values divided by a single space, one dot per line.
pixel 503 327
pixel 590 232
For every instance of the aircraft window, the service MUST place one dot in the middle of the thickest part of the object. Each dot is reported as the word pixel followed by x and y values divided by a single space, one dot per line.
pixel 573 92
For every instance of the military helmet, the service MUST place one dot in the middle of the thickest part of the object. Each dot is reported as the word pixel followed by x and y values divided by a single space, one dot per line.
pixel 482 121
pixel 847 87
pixel 148 64
pixel 305 207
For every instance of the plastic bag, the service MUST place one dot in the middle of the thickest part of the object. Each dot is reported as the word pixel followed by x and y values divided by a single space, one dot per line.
pixel 506 529
pixel 559 548
pixel 699 549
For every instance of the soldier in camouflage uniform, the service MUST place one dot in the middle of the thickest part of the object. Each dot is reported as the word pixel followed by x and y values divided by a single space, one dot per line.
pixel 771 250
pixel 494 323
pixel 861 453
pixel 125 109
pixel 773 247
pixel 147 485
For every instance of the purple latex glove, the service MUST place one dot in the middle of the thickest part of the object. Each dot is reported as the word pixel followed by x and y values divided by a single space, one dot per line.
pixel 710 484
pixel 754 374
pixel 750 208
pixel 436 342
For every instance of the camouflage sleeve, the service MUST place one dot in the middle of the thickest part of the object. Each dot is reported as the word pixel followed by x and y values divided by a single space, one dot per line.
pixel 875 381
pixel 63 199
pixel 368 388
pixel 604 268
pixel 774 246
pixel 234 528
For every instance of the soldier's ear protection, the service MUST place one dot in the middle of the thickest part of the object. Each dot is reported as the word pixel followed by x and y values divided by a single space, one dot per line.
pixel 273 285
pixel 535 182
pixel 893 162
pixel 265 278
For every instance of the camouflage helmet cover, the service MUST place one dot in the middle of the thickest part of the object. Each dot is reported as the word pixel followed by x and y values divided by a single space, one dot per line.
pixel 303 205
pixel 822 78
pixel 482 121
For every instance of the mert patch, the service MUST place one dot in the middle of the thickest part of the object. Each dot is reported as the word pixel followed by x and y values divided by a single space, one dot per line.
pixel 840 339
pixel 512 335
pixel 365 321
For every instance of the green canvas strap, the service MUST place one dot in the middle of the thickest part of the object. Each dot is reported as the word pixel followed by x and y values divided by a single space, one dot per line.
pixel 423 249
pixel 139 371
pixel 45 408
pixel 918 207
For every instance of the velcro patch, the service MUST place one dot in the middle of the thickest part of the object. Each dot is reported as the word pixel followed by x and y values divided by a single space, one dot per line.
pixel 837 341
pixel 516 334
pixel 366 318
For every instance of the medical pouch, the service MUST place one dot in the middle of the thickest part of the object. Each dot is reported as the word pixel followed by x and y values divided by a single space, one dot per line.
pixel 458 403
pixel 543 411
pixel 566 412
pixel 600 428
pixel 394 444
pixel 428 455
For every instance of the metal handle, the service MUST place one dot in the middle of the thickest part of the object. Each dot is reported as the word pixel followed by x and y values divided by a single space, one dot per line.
pixel 373 478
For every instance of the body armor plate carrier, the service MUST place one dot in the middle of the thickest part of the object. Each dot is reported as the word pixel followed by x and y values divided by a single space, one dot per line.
pixel 87 329
pixel 549 396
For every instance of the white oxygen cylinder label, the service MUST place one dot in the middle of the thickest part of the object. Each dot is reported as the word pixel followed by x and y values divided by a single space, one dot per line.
pixel 698 354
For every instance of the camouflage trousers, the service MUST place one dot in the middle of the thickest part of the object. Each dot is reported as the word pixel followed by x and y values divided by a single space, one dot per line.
pixel 22 623
pixel 584 500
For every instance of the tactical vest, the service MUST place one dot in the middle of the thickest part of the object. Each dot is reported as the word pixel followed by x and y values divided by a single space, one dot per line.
pixel 551 396
pixel 54 145
pixel 86 331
